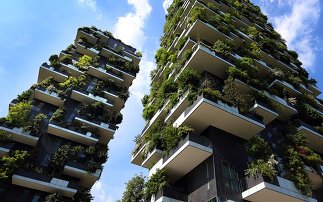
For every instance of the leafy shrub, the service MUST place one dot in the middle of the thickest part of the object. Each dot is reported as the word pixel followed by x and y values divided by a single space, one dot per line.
pixel 67 59
pixel 54 61
pixel 18 114
pixel 188 78
pixel 58 115
pixel 10 163
pixel 223 48
pixel 198 13
pixel 25 96
pixel 263 168
pixel 73 82
pixel 155 183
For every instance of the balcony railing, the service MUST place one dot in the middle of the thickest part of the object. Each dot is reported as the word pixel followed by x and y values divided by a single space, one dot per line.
pixel 169 193
pixel 289 88
pixel 46 71
pixel 84 96
pixel 280 189
pixel 5 148
pixel 78 170
pixel 105 130
pixel 83 49
pixel 19 135
pixel 152 157
pixel 314 136
pixel 47 96
pixel 189 153
pixel 315 176
pixel 267 112
pixel 207 111
pixel 44 183
pixel 104 74
pixel 72 133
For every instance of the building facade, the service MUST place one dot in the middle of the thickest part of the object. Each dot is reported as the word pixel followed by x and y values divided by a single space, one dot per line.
pixel 54 139
pixel 232 115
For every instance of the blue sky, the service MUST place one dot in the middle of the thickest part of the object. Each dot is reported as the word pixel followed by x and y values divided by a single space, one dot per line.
pixel 33 30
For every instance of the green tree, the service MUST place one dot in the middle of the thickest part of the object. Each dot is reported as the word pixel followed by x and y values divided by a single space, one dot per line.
pixel 10 163
pixel 134 189
pixel 55 197
pixel 19 114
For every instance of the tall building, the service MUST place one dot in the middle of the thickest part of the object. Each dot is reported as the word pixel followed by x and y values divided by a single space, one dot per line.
pixel 232 115
pixel 54 139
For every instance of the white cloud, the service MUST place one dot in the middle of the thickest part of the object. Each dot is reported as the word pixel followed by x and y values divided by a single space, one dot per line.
pixel 297 26
pixel 99 194
pixel 129 28
pixel 89 3
pixel 141 84
pixel 166 4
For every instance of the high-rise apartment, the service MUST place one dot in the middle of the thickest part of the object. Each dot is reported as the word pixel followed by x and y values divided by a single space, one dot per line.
pixel 232 115
pixel 54 139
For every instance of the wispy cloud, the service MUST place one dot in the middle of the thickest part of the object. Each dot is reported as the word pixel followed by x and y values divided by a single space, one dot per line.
pixel 98 191
pixel 296 23
pixel 129 28
pixel 166 4
pixel 92 5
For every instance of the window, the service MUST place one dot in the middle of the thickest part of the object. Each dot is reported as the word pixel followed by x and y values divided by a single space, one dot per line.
pixel 230 177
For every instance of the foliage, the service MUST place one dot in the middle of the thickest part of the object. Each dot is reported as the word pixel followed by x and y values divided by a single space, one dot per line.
pixel 83 196
pixel 55 197
pixel 54 61
pixel 10 163
pixel 258 148
pixel 252 51
pixel 134 189
pixel 252 32
pixel 246 64
pixel 198 13
pixel 155 183
pixel 98 89
pixel 73 82
pixel 149 112
pixel 145 100
pixel 293 54
pixel 296 173
pixel 67 59
pixel 167 87
pixel 172 135
pixel 25 96
pixel 161 57
pixel 36 125
pixel 64 153
pixel 19 113
pixel 58 115
pixel 188 78
pixel 85 62
pixel 223 48
pixel 261 167
pixel 308 114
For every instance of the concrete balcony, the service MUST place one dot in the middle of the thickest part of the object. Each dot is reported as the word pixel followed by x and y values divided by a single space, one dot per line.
pixel 105 130
pixel 85 97
pixel 259 189
pixel 152 157
pixel 314 137
pixel 138 156
pixel 159 115
pixel 267 58
pixel 268 113
pixel 189 44
pixel 78 170
pixel 70 134
pixel 135 58
pixel 19 135
pixel 205 112
pixel 44 183
pixel 104 74
pixel 316 91
pixel 170 194
pixel 264 69
pixel 118 102
pixel 89 37
pixel 71 69
pixel 108 52
pixel 285 110
pixel 288 87
pixel 82 49
pixel 46 71
pixel 305 90
pixel 315 176
pixel 49 97
pixel 189 153
pixel 127 77
pixel 203 59
pixel 206 31
pixel 5 148
pixel 178 108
